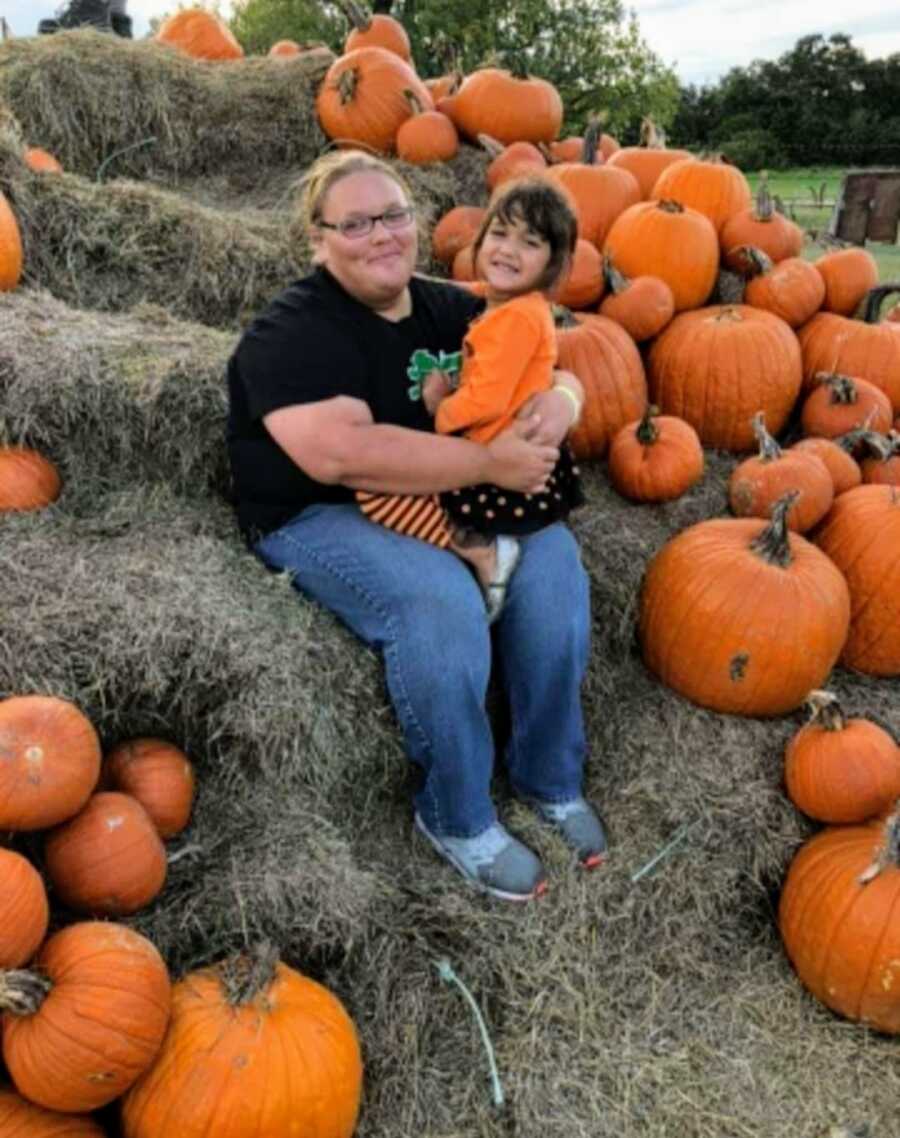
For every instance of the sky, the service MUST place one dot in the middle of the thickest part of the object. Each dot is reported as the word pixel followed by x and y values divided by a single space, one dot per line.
pixel 701 39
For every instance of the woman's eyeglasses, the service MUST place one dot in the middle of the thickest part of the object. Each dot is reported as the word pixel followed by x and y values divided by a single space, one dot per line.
pixel 362 224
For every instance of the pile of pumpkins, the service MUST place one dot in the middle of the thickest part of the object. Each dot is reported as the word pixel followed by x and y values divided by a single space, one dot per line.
pixel 89 1013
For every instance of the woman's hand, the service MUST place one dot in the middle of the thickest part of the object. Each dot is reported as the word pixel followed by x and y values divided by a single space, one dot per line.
pixel 546 418
pixel 435 388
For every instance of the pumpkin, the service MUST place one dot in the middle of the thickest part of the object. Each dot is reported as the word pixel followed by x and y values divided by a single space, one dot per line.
pixel 509 107
pixel 882 465
pixel 838 920
pixel 444 85
pixel 28 481
pixel 716 367
pixel 427 136
pixel 240 1032
pixel 458 227
pixel 648 160
pixel 742 616
pixel 96 982
pixel 655 459
pixel 363 97
pixel 792 290
pixel 582 285
pixel 763 228
pixel 24 911
pixel 665 240
pixel 108 860
pixel 571 149
pixel 51 761
pixel 642 305
pixel 158 775
pixel 842 467
pixel 758 483
pixel 517 160
pixel 864 348
pixel 839 403
pixel 463 267
pixel 289 49
pixel 284 49
pixel 848 275
pixel 41 161
pixel 861 535
pixel 599 193
pixel 10 247
pixel 607 362
pixel 20 1118
pixel 711 186
pixel 200 34
pixel 838 769
pixel 380 31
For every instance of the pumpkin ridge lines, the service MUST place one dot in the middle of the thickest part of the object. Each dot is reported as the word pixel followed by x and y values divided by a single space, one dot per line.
pixel 876 949
pixel 801 912
pixel 840 878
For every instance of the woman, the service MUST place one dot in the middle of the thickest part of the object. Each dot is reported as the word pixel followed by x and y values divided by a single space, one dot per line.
pixel 321 406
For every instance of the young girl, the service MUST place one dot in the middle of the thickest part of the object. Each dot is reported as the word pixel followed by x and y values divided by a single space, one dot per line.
pixel 521 252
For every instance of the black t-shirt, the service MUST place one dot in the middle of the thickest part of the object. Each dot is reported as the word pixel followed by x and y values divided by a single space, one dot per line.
pixel 313 342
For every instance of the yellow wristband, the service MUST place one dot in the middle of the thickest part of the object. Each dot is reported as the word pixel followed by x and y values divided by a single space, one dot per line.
pixel 576 402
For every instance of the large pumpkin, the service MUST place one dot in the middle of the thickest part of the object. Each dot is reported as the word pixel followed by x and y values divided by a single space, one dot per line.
pixel 741 616
pixel 24 911
pixel 252 1051
pixel 666 240
pixel 88 1020
pixel 199 33
pixel 711 186
pixel 20 1118
pixel 648 160
pixel 159 775
pixel 861 535
pixel 10 248
pixel 608 364
pixel 716 367
pixel 28 480
pixel 363 97
pixel 508 107
pixel 49 761
pixel 839 916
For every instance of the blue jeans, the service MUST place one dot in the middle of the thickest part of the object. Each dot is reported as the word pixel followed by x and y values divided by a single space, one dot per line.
pixel 420 607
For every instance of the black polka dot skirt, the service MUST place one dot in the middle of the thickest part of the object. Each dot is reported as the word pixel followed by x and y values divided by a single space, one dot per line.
pixel 489 509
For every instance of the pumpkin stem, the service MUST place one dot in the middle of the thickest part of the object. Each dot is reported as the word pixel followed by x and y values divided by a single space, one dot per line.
pixel 22 993
pixel 667 205
pixel 825 710
pixel 772 544
pixel 872 443
pixel 414 101
pixel 647 432
pixel 591 139
pixel 246 975
pixel 749 261
pixel 765 207
pixel 769 449
pixel 615 281
pixel 563 317
pixel 842 387
pixel 346 85
pixel 357 15
pixel 728 312
pixel 491 145
pixel 889 853
pixel 875 297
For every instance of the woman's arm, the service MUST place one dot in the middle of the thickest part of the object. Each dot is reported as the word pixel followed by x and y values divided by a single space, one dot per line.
pixel 336 441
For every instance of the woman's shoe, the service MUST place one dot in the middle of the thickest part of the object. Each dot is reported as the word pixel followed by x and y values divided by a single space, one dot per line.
pixel 493 861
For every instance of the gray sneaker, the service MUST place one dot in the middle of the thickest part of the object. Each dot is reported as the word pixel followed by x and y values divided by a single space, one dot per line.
pixel 493 861
pixel 577 824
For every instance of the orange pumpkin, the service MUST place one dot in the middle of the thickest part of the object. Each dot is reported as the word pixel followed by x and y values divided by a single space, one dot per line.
pixel 716 367
pixel 517 160
pixel 223 1071
pixel 842 467
pixel 108 860
pixel 642 305
pixel 200 34
pixel 763 228
pixel 655 459
pixel 606 361
pixel 285 49
pixel 363 97
pixel 20 1118
pixel 839 403
pixel 571 149
pixel 463 267
pixel 882 465
pixel 51 756
pixel 793 289
pixel 41 161
pixel 665 240
pixel 10 248
pixel 380 30
pixel 848 275
pixel 24 911
pixel 711 186
pixel 96 982
pixel 28 481
pixel 837 917
pixel 861 535
pixel 838 769
pixel 444 85
pixel 583 284
pixel 742 616
pixel 458 227
pixel 648 160
pixel 159 775
pixel 426 136
pixel 506 106
pixel 758 483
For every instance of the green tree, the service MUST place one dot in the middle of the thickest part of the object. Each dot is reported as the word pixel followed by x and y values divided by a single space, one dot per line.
pixel 258 24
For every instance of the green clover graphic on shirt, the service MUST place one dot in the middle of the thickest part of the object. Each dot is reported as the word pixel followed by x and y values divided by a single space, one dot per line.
pixel 423 363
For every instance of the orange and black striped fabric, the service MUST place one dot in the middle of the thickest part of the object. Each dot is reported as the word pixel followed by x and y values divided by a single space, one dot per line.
pixel 416 515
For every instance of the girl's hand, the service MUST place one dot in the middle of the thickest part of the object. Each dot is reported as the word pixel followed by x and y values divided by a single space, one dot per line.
pixel 435 388
pixel 546 418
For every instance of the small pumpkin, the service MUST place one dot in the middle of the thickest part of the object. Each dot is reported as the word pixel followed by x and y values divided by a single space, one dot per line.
pixel 518 160
pixel 51 761
pixel 20 1118
pixel 840 403
pixel 426 136
pixel 444 85
pixel 655 459
pixel 711 186
pixel 642 305
pixel 848 275
pixel 24 911
pixel 838 769
pixel 28 480
pixel 792 289
pixel 647 160
pixel 10 247
pixel 763 227
pixel 463 267
pixel 199 33
pixel 41 161
pixel 96 982
pixel 458 227
pixel 159 775
pixel 378 30
pixel 109 859
pixel 570 149
pixel 843 467
pixel 583 284
pixel 881 465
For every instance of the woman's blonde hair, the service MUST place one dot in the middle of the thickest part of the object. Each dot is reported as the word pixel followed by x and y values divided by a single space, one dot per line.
pixel 326 171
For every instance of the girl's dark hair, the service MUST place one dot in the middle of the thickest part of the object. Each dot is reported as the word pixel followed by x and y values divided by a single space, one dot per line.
pixel 546 210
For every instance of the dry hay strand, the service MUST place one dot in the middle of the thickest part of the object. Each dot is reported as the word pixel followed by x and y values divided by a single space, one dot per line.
pixel 95 101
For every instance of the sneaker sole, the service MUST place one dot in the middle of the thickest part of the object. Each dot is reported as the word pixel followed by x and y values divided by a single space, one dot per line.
pixel 539 890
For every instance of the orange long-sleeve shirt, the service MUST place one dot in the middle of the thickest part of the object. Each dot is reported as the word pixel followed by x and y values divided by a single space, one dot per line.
pixel 508 355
